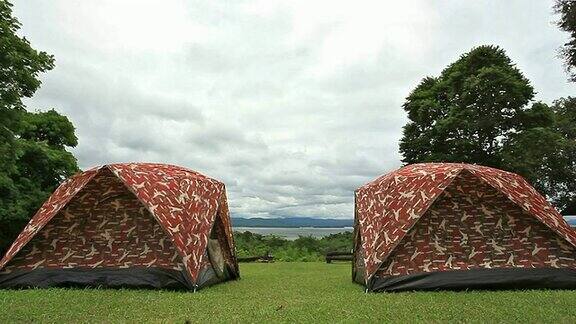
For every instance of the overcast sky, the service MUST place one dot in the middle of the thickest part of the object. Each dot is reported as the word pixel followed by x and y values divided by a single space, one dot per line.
pixel 293 104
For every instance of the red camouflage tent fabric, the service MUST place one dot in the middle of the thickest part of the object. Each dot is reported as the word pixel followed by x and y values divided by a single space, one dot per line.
pixel 128 216
pixel 439 217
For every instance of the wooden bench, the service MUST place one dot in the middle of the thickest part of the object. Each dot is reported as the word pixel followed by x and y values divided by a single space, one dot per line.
pixel 338 256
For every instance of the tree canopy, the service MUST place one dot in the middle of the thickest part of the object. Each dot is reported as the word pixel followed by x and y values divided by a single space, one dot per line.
pixel 33 155
pixel 481 110
pixel 563 169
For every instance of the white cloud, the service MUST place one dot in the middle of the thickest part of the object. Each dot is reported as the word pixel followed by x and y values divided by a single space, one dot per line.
pixel 293 104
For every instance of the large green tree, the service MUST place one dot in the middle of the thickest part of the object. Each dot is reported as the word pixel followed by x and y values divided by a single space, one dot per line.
pixel 563 169
pixel 465 114
pixel 481 110
pixel 33 156
pixel 567 22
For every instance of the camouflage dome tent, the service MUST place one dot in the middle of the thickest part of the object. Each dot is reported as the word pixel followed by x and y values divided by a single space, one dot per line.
pixel 456 226
pixel 127 225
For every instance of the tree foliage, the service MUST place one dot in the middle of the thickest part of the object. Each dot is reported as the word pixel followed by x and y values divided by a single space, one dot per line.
pixel 304 248
pixel 480 110
pixel 567 11
pixel 562 170
pixel 33 156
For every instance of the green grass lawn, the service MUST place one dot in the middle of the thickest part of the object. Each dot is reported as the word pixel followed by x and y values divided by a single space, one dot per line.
pixel 284 292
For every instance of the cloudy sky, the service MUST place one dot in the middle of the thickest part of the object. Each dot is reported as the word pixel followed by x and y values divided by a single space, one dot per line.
pixel 293 104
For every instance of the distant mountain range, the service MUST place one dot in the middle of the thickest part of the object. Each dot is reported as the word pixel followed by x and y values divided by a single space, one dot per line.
pixel 293 222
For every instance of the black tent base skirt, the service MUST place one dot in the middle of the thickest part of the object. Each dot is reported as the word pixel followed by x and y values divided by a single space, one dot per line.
pixel 479 279
pixel 137 278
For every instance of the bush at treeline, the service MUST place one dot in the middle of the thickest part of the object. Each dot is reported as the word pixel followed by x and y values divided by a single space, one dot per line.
pixel 304 248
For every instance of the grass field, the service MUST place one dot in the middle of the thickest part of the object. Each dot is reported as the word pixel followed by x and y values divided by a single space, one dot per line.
pixel 285 292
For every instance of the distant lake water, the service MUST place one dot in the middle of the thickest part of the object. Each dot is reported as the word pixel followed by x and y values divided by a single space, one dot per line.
pixel 293 233
pixel 290 233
